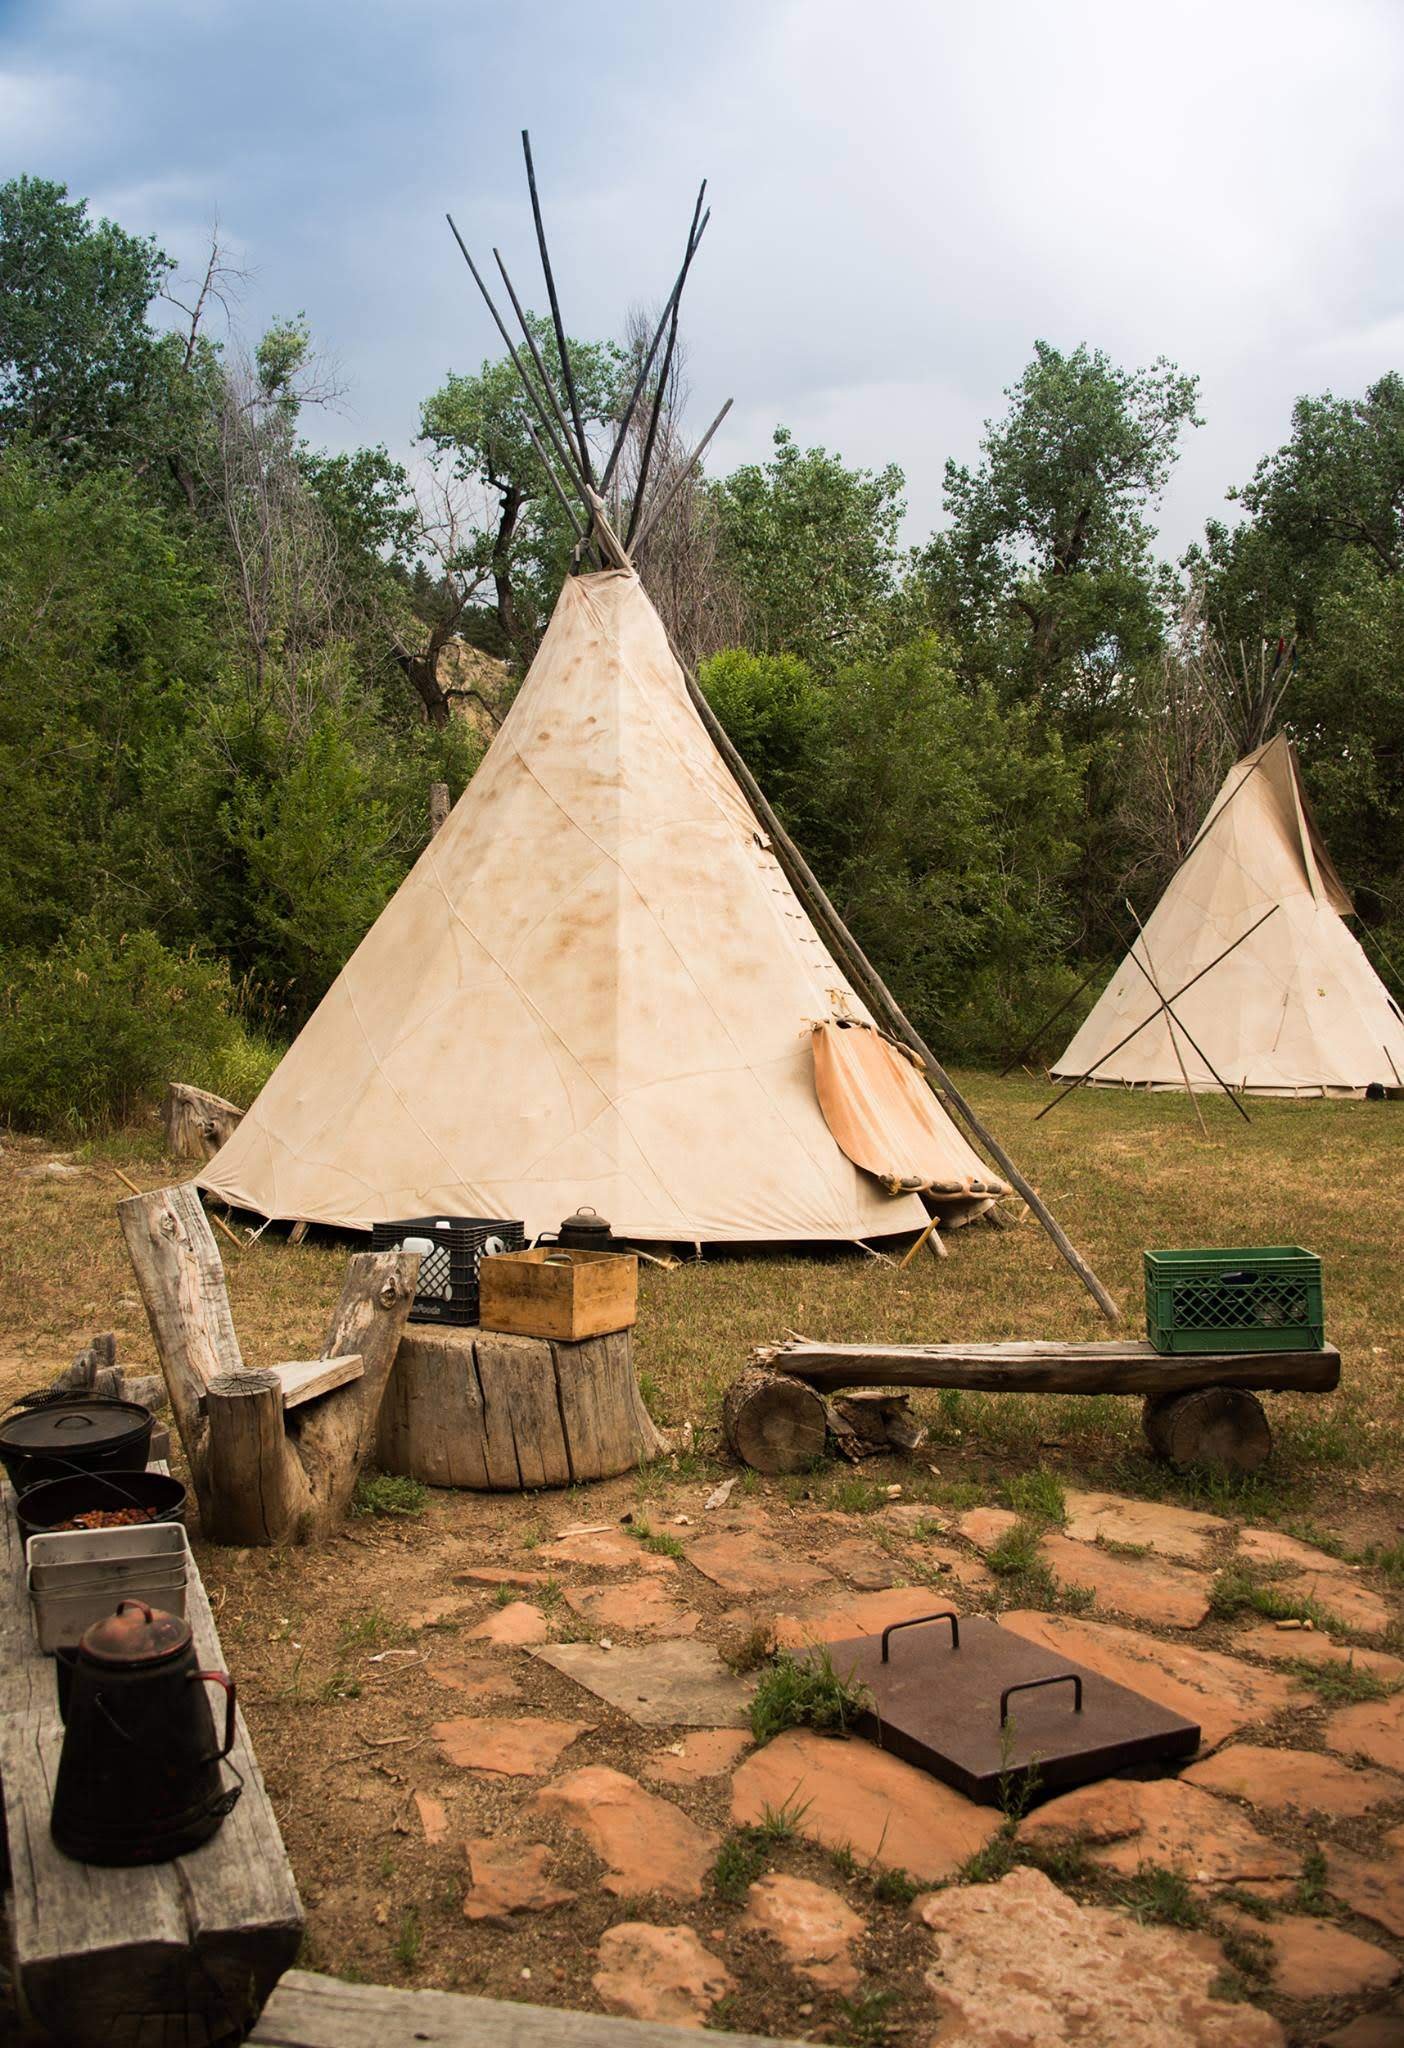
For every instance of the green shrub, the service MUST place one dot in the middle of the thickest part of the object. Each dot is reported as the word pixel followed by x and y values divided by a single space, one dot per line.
pixel 805 1693
pixel 92 1031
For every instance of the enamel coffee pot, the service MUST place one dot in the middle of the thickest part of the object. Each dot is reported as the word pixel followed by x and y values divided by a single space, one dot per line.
pixel 139 1777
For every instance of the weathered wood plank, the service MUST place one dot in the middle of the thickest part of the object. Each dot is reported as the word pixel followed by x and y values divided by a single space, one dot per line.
pixel 518 1380
pixel 197 1123
pixel 308 2011
pixel 174 1955
pixel 304 1379
pixel 1110 1367
pixel 493 1412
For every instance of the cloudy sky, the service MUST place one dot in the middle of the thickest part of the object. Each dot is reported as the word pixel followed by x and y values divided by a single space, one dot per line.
pixel 906 193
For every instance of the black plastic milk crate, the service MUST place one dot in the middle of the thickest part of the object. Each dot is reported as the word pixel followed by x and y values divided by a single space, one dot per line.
pixel 447 1291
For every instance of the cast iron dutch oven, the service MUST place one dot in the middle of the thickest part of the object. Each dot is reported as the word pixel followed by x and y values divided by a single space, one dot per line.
pixel 58 1439
pixel 155 1496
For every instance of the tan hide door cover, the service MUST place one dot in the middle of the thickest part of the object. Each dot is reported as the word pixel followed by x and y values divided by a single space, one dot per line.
pixel 886 1119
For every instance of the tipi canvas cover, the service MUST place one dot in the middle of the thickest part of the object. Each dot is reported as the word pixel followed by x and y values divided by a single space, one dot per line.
pixel 1296 1008
pixel 596 986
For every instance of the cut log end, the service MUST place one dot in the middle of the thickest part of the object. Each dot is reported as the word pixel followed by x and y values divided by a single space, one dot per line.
pixel 1216 1429
pixel 774 1423
pixel 197 1123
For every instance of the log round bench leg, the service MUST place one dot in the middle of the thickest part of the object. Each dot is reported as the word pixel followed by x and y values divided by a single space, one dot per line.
pixel 774 1423
pixel 1221 1429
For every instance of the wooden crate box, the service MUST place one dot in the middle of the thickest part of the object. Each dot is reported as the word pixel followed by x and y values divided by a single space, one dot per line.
pixel 550 1292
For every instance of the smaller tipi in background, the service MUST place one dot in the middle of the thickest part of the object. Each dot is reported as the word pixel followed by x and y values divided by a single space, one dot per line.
pixel 1286 1002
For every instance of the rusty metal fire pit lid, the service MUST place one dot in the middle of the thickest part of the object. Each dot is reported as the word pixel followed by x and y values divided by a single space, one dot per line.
pixel 997 1717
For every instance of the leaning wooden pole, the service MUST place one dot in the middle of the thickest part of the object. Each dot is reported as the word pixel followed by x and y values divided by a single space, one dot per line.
pixel 874 990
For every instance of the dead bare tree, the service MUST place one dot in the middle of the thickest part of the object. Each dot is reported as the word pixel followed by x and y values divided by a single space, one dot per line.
pixel 1181 749
pixel 680 564
pixel 461 577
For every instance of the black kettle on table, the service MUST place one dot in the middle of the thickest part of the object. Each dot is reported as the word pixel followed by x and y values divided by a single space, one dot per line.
pixel 139 1777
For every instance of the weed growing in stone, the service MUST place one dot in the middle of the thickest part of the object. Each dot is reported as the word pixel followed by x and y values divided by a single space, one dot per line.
pixel 1161 1898
pixel 740 1861
pixel 804 1693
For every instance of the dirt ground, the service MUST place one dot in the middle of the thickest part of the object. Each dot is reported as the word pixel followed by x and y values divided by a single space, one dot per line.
pixel 339 1653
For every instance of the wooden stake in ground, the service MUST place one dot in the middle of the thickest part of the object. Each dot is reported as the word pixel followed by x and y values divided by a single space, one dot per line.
pixel 258 1480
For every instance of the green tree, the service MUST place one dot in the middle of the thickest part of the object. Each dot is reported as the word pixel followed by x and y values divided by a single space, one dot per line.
pixel 81 370
pixel 1045 575
pixel 813 545
pixel 478 426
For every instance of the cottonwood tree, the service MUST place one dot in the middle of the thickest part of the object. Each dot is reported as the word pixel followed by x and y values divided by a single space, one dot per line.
pixel 1045 573
pixel 478 427
pixel 813 547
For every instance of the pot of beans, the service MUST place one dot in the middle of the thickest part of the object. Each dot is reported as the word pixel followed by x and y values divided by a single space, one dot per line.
pixel 100 1500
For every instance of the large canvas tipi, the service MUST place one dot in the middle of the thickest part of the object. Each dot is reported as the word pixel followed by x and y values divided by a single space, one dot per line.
pixel 1294 1008
pixel 597 986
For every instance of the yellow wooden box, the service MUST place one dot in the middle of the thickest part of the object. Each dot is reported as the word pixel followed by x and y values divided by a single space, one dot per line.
pixel 549 1292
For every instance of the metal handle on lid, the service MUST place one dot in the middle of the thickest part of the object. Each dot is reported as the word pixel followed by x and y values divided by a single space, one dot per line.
pixel 920 1621
pixel 1032 1685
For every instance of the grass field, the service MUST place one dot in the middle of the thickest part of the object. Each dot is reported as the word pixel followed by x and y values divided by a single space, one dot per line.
pixel 1122 1171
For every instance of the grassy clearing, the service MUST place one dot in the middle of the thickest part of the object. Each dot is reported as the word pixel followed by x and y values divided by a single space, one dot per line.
pixel 1122 1172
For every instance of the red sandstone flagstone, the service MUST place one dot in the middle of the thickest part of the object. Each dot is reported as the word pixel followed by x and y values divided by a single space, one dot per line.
pixel 1181 1533
pixel 854 1795
pixel 637 1607
pixel 506 1878
pixel 1382 2029
pixel 985 1527
pixel 1271 1546
pixel 517 1624
pixel 864 1565
pixel 1220 1693
pixel 1020 1962
pixel 1284 1780
pixel 1340 1596
pixel 706 1753
pixel 1373 1728
pixel 1314 1959
pixel 743 1563
pixel 498 1575
pixel 433 1818
pixel 1310 1646
pixel 520 1747
pixel 607 1550
pixel 1372 1886
pixel 1127 1821
pixel 861 1614
pixel 649 1844
pixel 479 1677
pixel 663 1974
pixel 1146 1588
pixel 814 1928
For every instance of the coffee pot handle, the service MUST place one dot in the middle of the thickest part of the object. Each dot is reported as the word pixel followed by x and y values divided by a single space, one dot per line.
pixel 220 1678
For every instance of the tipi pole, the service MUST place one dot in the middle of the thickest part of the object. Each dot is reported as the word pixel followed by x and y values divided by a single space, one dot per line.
pixel 694 242
pixel 1177 1023
pixel 1149 972
pixel 1082 1079
pixel 582 443
pixel 874 990
pixel 541 370
pixel 565 459
pixel 660 393
pixel 670 492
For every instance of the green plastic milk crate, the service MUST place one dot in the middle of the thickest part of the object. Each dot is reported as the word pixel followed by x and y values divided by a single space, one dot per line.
pixel 1255 1298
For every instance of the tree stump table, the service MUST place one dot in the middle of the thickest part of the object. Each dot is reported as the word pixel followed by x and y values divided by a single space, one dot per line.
pixel 490 1413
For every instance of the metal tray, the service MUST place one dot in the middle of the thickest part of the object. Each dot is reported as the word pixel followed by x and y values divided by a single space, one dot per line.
pixel 999 1718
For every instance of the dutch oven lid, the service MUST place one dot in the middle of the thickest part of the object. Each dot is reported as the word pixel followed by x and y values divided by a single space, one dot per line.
pixel 136 1634
pixel 61 1429
pixel 587 1222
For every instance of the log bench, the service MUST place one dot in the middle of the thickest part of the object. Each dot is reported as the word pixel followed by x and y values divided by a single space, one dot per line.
pixel 1199 1409
pixel 310 2011
pixel 474 1408
pixel 168 1955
